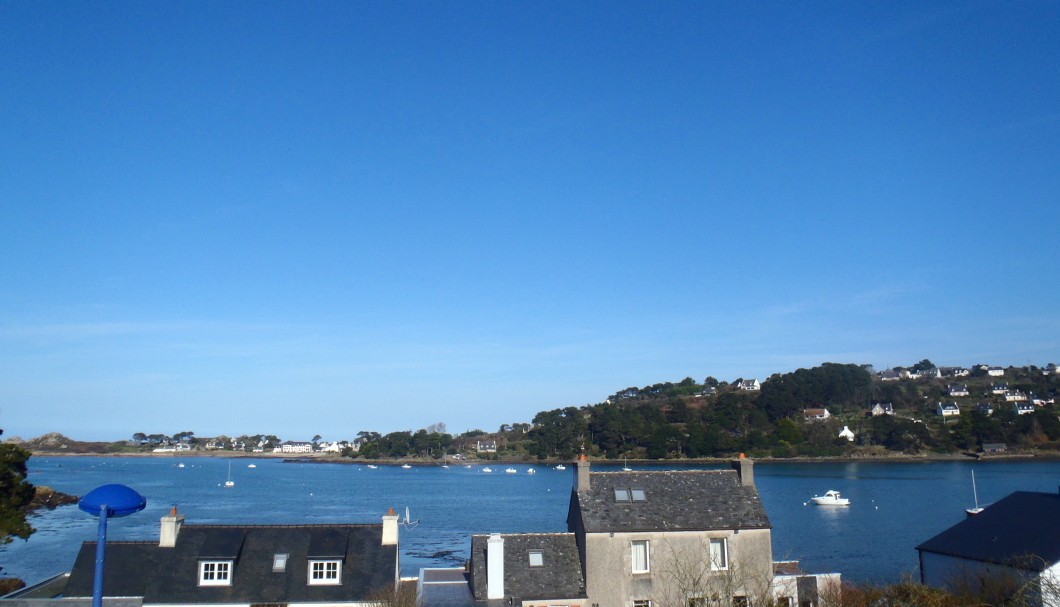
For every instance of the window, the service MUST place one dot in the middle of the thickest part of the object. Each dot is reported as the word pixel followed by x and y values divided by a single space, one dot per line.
pixel 630 495
pixel 537 558
pixel 640 556
pixel 642 603
pixel 215 573
pixel 719 554
pixel 324 572
pixel 784 601
pixel 279 562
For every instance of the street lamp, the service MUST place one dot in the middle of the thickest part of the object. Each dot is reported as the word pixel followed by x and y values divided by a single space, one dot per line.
pixel 108 501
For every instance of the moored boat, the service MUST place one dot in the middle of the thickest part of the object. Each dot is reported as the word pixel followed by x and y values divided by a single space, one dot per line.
pixel 830 498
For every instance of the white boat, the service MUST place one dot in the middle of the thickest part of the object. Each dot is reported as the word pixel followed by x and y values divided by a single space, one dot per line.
pixel 510 471
pixel 230 482
pixel 531 471
pixel 405 466
pixel 560 467
pixel 975 495
pixel 830 498
pixel 625 467
pixel 252 465
pixel 487 469
pixel 372 466
pixel 180 465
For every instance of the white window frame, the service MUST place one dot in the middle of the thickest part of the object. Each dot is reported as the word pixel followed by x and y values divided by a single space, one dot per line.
pixel 717 564
pixel 329 574
pixel 279 562
pixel 633 550
pixel 215 573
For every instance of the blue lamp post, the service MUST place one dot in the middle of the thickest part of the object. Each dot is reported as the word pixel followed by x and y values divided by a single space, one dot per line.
pixel 108 501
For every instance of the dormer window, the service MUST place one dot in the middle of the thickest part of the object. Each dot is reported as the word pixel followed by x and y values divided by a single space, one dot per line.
pixel 325 572
pixel 215 573
pixel 537 558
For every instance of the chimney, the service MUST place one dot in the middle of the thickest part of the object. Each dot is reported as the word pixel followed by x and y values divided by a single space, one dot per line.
pixel 495 566
pixel 171 524
pixel 390 528
pixel 583 472
pixel 745 470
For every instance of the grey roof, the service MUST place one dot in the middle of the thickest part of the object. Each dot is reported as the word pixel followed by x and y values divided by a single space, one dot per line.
pixel 170 575
pixel 559 577
pixel 1021 530
pixel 683 500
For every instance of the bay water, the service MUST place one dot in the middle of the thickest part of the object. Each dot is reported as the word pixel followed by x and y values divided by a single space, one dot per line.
pixel 894 505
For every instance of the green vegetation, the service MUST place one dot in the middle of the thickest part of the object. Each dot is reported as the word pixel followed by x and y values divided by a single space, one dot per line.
pixel 15 493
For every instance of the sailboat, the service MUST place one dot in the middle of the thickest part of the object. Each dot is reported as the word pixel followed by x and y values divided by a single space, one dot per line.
pixel 230 482
pixel 407 522
pixel 625 467
pixel 975 494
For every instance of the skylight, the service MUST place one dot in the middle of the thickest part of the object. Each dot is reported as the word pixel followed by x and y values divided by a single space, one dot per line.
pixel 537 558
pixel 630 495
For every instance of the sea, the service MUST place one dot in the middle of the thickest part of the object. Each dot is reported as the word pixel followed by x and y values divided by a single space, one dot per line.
pixel 895 505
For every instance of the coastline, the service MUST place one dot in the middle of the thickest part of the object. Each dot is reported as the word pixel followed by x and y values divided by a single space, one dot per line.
pixel 320 458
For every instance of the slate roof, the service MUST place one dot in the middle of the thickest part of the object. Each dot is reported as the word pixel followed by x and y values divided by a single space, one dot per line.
pixel 1022 530
pixel 170 575
pixel 560 576
pixel 685 500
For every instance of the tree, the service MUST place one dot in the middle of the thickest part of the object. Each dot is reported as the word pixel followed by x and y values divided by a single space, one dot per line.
pixel 15 493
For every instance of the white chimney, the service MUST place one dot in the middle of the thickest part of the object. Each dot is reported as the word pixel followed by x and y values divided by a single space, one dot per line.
pixel 171 524
pixel 390 528
pixel 495 567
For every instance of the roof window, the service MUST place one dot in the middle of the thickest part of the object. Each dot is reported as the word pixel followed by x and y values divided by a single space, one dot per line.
pixel 630 495
pixel 537 558
pixel 279 562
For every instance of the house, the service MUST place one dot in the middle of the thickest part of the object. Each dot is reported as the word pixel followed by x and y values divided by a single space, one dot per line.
pixel 995 371
pixel 296 447
pixel 632 540
pixel 543 567
pixel 1023 408
pixel 957 390
pixel 1015 396
pixel 228 565
pixel 846 433
pixel 1013 543
pixel 750 385
pixel 994 447
pixel 882 409
pixel 816 414
pixel 985 408
pixel 486 446
pixel 890 376
pixel 955 372
pixel 999 388
pixel 948 409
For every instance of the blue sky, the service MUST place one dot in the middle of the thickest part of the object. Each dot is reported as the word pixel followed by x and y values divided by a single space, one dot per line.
pixel 303 218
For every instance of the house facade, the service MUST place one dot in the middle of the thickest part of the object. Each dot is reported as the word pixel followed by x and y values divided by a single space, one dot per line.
pixel 816 414
pixel 750 385
pixel 882 409
pixel 948 409
pixel 633 541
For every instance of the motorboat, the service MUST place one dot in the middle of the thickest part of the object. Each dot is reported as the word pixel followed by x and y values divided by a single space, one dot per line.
pixel 406 466
pixel 560 467
pixel 487 469
pixel 830 498
pixel 372 466
pixel 531 471
pixel 252 465
pixel 510 471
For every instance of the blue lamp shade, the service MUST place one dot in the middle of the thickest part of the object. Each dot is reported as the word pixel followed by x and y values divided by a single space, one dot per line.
pixel 119 500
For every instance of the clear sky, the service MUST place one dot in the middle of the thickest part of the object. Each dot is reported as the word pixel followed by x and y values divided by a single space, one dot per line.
pixel 302 218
